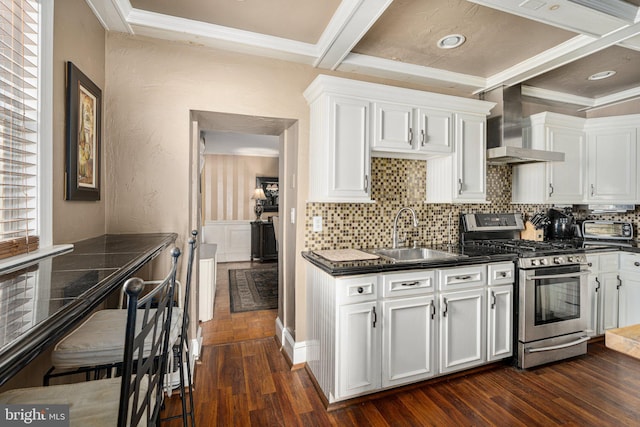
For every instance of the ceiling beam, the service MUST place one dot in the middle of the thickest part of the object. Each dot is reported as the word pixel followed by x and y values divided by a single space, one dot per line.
pixel 112 14
pixel 349 24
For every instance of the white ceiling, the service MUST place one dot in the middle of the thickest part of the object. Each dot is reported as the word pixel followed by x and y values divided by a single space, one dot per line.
pixel 551 47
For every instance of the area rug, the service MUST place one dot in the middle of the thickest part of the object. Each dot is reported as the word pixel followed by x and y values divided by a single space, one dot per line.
pixel 253 289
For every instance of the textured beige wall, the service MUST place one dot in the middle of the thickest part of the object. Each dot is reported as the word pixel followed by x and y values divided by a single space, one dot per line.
pixel 229 182
pixel 79 38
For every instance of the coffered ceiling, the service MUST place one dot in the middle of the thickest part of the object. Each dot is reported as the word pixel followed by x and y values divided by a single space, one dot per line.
pixel 551 47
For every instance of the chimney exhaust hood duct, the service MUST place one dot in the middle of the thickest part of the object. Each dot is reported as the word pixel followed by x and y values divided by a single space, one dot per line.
pixel 505 143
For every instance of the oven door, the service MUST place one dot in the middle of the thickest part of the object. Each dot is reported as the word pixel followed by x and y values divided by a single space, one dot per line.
pixel 553 302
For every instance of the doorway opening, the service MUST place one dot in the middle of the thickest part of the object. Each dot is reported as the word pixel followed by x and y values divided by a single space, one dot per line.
pixel 234 154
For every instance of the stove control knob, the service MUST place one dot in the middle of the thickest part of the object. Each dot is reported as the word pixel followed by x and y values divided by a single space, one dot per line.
pixel 534 262
pixel 544 261
pixel 558 260
pixel 570 259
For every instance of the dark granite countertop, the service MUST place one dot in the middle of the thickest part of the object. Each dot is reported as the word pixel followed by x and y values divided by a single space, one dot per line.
pixel 43 300
pixel 345 268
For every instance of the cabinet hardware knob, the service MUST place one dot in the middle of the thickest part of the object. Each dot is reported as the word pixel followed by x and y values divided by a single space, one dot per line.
pixel 360 289
pixel 503 274
pixel 637 263
pixel 590 264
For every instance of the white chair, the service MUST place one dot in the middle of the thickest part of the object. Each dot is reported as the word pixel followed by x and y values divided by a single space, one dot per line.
pixel 135 399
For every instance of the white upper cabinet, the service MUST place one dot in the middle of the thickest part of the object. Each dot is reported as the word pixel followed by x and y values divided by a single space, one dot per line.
pixel 353 120
pixel 340 160
pixel 601 161
pixel 401 130
pixel 612 161
pixel 553 182
pixel 461 178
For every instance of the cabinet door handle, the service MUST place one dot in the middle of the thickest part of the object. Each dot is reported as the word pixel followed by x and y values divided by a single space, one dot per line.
pixel 410 284
pixel 493 300
pixel 366 183
pixel 422 138
pixel 433 310
pixel 374 315
pixel 597 287
pixel 410 136
pixel 459 185
pixel 593 190
pixel 446 307
pixel 550 189
pixel 619 283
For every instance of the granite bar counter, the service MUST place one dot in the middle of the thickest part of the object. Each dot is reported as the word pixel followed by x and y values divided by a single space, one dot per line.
pixel 42 301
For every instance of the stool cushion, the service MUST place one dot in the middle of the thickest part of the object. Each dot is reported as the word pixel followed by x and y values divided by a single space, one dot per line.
pixel 91 403
pixel 100 339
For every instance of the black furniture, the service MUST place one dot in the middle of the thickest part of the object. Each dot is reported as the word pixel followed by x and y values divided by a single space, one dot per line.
pixel 69 287
pixel 263 241
pixel 136 398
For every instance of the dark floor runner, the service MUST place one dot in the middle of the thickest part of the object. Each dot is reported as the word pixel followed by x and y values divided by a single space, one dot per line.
pixel 253 289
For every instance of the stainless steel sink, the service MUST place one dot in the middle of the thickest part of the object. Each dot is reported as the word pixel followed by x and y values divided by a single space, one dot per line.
pixel 414 254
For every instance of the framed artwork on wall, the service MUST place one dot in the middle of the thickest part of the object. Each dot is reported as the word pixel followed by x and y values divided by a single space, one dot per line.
pixel 270 187
pixel 83 118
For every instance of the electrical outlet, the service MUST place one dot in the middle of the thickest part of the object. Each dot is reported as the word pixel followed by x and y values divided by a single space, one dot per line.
pixel 317 224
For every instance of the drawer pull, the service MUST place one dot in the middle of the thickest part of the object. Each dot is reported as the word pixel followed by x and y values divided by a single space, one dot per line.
pixel 462 277
pixel 410 284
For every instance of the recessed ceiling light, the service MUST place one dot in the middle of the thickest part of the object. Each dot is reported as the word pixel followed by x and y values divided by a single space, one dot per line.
pixel 451 41
pixel 601 75
pixel 554 7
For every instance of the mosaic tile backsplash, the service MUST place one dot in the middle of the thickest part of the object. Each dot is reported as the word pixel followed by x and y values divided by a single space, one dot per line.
pixel 398 183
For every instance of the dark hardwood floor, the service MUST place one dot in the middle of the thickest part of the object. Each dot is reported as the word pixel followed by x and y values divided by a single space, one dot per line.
pixel 247 382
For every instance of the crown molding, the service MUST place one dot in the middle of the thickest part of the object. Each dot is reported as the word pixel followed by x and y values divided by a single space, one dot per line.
pixel 396 70
pixel 180 29
pixel 551 95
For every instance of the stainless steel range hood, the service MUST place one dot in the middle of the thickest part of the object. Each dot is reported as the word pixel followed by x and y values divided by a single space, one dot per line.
pixel 505 143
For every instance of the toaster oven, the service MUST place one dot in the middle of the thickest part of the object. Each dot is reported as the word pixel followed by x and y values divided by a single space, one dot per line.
pixel 607 230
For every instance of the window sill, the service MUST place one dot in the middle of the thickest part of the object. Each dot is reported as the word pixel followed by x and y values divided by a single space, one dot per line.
pixel 15 262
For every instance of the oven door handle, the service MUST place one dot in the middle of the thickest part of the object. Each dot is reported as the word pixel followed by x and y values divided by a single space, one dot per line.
pixel 558 276
pixel 557 347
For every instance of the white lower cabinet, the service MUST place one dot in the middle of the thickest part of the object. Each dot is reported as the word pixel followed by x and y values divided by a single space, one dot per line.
pixel 371 332
pixel 462 330
pixel 629 287
pixel 408 340
pixel 499 322
pixel 603 293
pixel 358 360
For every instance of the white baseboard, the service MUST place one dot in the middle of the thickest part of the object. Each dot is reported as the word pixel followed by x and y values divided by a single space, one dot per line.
pixel 296 351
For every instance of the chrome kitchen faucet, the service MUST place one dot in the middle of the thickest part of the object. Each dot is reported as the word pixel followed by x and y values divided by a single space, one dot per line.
pixel 395 224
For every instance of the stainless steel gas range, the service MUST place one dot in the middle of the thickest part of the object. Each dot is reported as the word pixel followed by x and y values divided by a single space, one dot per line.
pixel 550 316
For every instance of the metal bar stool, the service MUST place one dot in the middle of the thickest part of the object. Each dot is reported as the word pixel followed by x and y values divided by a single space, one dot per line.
pixel 136 398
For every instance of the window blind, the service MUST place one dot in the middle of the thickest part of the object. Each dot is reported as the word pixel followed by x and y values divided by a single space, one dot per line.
pixel 18 126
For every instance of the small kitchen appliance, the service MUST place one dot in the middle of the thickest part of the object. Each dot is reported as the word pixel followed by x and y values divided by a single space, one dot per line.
pixel 561 224
pixel 550 296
